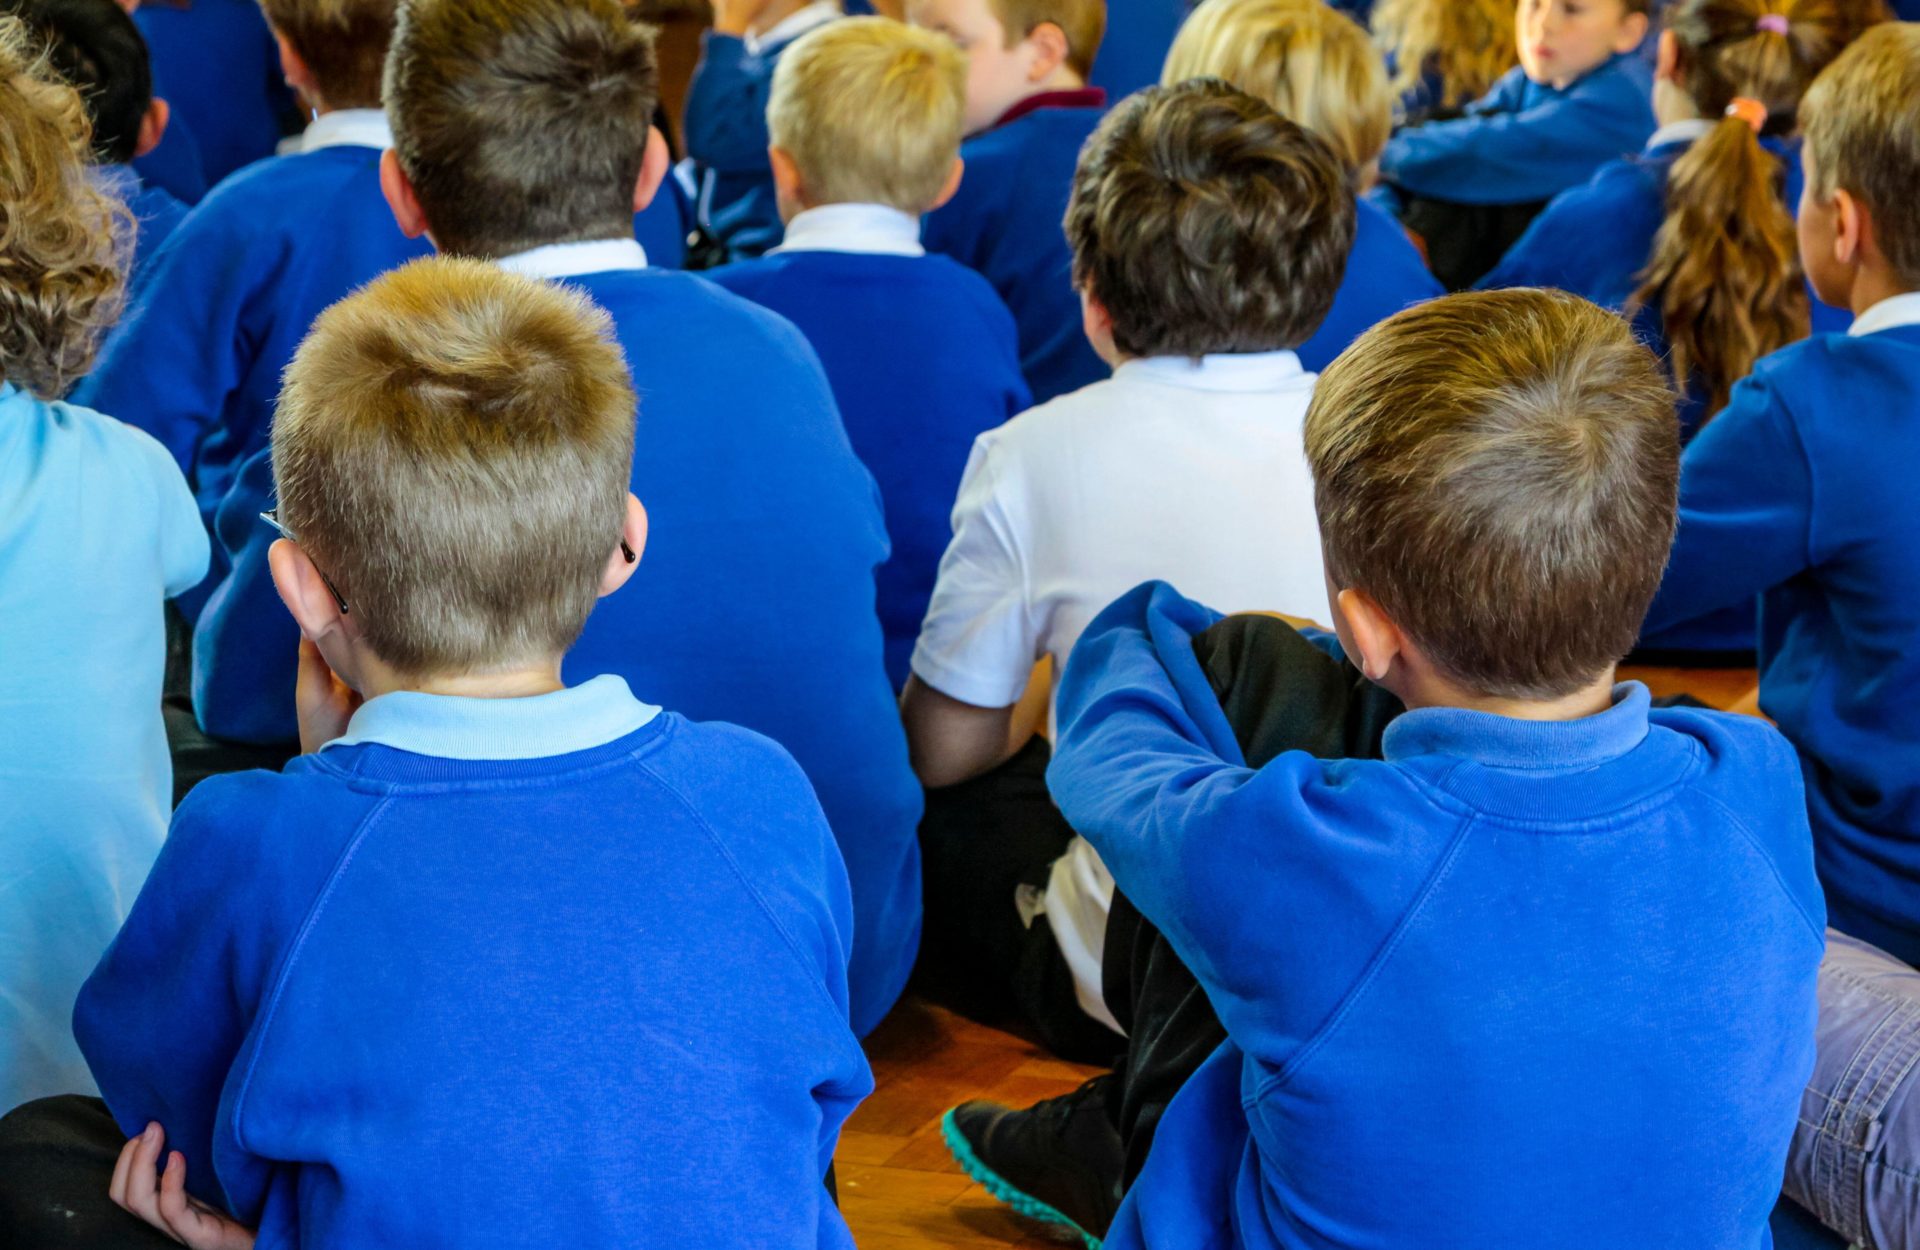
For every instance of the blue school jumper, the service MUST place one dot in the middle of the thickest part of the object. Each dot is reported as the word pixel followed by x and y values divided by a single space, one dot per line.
pixel 1005 225
pixel 726 129
pixel 563 970
pixel 1525 141
pixel 1519 983
pixel 922 357
pixel 1800 492
pixel 156 215
pixel 216 63
pixel 197 363
pixel 174 164
pixel 754 602
pixel 1134 48
pixel 662 226
pixel 1385 273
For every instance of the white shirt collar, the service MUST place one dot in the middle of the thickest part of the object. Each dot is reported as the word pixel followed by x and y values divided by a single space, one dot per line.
pixel 579 718
pixel 358 128
pixel 873 228
pixel 1238 371
pixel 792 26
pixel 1686 130
pixel 1897 310
pixel 570 260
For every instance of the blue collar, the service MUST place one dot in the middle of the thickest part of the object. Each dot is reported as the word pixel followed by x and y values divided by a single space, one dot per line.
pixel 449 727
pixel 1504 742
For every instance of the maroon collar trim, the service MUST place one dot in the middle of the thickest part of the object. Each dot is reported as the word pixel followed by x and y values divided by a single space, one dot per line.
pixel 1077 98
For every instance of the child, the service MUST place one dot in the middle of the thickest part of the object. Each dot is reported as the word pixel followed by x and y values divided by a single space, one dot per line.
pixel 1445 53
pixel 865 117
pixel 1314 65
pixel 1798 493
pixel 521 134
pixel 1029 110
pixel 727 117
pixel 1196 435
pixel 1578 99
pixel 197 364
pixel 484 907
pixel 217 61
pixel 95 46
pixel 1550 963
pixel 98 529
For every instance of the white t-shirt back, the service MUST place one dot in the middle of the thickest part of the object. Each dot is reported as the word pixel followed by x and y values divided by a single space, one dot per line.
pixel 1192 472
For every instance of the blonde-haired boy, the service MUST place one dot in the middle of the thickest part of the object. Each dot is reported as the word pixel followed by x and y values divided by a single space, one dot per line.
pixel 467 911
pixel 865 119
pixel 1315 65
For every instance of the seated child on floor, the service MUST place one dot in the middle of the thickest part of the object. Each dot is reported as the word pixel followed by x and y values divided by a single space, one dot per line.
pixel 922 355
pixel 1579 98
pixel 1550 960
pixel 1313 64
pixel 1029 111
pixel 498 961
pixel 97 530
pixel 1799 492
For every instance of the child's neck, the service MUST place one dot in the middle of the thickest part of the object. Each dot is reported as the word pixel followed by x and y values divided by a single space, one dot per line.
pixel 1432 690
pixel 519 682
pixel 1871 285
pixel 774 14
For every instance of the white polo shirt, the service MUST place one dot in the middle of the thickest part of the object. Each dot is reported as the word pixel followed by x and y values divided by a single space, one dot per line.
pixel 1189 471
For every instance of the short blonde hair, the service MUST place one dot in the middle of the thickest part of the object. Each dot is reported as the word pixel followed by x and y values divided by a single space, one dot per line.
pixel 343 42
pixel 1312 63
pixel 871 111
pixel 453 445
pixel 63 241
pixel 1861 124
pixel 1083 22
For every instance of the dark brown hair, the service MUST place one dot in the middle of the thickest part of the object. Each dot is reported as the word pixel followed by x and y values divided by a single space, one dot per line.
pixel 343 43
pixel 521 122
pixel 1725 272
pixel 1206 222
pixel 1862 125
pixel 1500 471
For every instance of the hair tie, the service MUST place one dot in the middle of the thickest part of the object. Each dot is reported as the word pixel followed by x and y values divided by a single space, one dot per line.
pixel 1750 111
pixel 1775 22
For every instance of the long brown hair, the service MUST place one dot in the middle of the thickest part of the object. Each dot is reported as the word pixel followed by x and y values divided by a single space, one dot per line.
pixel 1725 272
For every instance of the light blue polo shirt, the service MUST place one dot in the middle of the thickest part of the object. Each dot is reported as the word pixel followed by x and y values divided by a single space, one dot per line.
pixel 97 530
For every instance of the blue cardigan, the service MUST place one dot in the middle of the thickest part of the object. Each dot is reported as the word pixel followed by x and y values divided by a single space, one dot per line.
pixel 1527 975
pixel 1799 492
pixel 1525 141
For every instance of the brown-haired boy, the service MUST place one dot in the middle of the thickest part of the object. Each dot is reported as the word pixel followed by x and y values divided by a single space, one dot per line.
pixel 1028 112
pixel 1531 953
pixel 448 978
pixel 1196 436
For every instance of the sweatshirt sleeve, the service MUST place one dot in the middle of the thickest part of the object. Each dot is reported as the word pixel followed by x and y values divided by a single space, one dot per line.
pixel 179 534
pixel 726 122
pixel 1746 508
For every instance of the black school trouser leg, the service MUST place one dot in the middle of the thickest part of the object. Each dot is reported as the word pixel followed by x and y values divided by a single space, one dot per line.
pixel 56 1159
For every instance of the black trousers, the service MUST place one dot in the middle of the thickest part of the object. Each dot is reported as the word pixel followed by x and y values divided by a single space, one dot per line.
pixel 56 1157
pixel 1465 241
pixel 1280 693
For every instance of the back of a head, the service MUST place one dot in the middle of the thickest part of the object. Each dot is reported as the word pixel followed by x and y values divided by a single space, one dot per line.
pixel 871 111
pixel 1083 22
pixel 1725 271
pixel 1308 60
pixel 1205 222
pixel 1466 44
pixel 453 445
pixel 521 123
pixel 343 42
pixel 61 254
pixel 1861 122
pixel 95 46
pixel 1500 472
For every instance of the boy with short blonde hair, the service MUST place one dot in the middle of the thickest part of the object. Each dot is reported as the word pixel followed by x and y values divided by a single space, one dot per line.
pixel 1028 112
pixel 866 119
pixel 453 445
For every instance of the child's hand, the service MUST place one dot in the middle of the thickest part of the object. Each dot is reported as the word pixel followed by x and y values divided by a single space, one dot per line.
pixel 164 1203
pixel 736 17
pixel 322 701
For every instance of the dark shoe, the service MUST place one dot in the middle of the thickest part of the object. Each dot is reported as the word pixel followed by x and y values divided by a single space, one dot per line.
pixel 1059 1161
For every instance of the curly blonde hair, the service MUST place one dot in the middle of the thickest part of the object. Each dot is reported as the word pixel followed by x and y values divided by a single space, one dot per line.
pixel 63 237
pixel 1467 44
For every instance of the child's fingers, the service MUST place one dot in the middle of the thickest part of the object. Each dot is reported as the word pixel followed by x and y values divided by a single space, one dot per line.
pixel 180 1218
pixel 141 1193
pixel 122 1168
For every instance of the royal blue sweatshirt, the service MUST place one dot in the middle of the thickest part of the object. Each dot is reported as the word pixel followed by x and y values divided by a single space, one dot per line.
pixel 1385 273
pixel 662 226
pixel 197 362
pixel 564 970
pixel 922 357
pixel 174 164
pixel 1800 493
pixel 156 215
pixel 754 602
pixel 1526 141
pixel 216 64
pixel 1520 983
pixel 1134 48
pixel 1004 223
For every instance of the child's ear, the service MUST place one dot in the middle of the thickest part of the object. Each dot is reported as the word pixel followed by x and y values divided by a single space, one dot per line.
pixel 1047 51
pixel 952 187
pixel 626 556
pixel 1666 61
pixel 1633 32
pixel 653 169
pixel 1852 229
pixel 788 189
pixel 1375 641
pixel 303 590
pixel 1097 324
pixel 401 198
pixel 293 67
pixel 153 127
